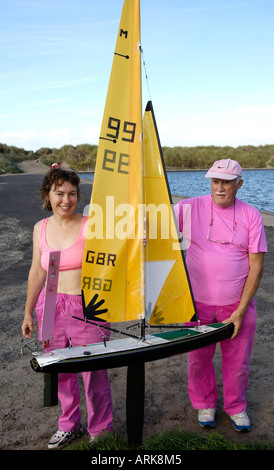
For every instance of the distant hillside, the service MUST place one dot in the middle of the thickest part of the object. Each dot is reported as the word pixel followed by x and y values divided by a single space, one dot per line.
pixel 83 157
pixel 10 156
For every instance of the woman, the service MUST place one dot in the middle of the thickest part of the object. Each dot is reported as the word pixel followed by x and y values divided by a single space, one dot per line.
pixel 64 231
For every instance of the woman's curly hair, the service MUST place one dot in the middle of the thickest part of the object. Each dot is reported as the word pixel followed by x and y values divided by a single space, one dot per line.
pixel 56 177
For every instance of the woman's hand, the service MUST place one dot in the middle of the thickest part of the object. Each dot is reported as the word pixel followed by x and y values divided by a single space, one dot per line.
pixel 27 326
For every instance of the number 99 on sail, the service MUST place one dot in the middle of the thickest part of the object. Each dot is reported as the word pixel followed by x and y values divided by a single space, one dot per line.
pixel 129 129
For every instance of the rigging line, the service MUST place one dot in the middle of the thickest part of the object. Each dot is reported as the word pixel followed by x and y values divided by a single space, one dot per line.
pixel 180 327
pixel 145 71
pixel 106 327
pixel 131 326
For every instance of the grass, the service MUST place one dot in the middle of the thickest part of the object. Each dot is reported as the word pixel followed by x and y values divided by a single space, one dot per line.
pixel 169 440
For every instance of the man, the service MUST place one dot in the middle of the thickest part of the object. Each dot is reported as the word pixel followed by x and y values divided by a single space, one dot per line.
pixel 225 264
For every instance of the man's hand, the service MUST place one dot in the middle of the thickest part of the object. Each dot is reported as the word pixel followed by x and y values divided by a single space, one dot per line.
pixel 237 319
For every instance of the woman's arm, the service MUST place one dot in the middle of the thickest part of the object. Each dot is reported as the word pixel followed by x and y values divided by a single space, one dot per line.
pixel 36 279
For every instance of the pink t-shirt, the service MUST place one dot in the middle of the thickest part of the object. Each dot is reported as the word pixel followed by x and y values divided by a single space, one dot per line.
pixel 218 271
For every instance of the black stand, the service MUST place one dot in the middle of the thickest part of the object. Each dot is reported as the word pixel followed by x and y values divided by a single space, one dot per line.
pixel 50 389
pixel 135 402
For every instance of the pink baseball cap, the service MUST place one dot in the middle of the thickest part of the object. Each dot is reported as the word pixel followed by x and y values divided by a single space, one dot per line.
pixel 225 170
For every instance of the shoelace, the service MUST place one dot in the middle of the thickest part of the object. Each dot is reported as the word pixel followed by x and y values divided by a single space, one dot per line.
pixel 61 434
pixel 206 412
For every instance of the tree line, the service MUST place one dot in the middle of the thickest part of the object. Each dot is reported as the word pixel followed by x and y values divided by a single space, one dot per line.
pixel 83 157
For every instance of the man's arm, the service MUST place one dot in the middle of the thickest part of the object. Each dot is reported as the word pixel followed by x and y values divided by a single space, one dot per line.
pixel 252 282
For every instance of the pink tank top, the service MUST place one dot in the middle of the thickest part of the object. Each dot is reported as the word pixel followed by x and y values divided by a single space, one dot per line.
pixel 71 258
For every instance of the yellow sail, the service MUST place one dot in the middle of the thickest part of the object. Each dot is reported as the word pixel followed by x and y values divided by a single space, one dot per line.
pixel 168 292
pixel 113 262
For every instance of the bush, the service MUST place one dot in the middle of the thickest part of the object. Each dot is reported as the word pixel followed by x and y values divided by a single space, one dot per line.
pixel 83 157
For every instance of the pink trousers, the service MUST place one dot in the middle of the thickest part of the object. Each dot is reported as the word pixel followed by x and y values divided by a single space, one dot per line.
pixel 69 331
pixel 235 362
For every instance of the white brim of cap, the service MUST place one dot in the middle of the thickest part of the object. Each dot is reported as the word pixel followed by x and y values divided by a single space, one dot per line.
pixel 221 176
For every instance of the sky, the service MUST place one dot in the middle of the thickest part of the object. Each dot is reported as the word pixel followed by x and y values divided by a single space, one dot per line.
pixel 210 68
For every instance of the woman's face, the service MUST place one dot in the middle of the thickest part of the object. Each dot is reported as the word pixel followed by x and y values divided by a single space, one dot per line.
pixel 63 199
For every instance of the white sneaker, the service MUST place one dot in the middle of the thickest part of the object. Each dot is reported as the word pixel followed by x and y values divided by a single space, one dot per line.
pixel 93 439
pixel 62 438
pixel 206 418
pixel 241 421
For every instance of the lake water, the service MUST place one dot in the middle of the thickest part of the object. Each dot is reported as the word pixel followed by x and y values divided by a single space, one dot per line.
pixel 257 189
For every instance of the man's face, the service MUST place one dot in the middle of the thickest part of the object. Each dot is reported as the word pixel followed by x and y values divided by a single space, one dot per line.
pixel 224 191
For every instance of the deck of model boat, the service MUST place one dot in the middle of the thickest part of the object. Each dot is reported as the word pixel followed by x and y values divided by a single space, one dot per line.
pixel 119 345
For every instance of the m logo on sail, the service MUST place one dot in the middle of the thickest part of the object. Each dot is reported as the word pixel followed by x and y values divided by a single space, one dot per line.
pixel 122 32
